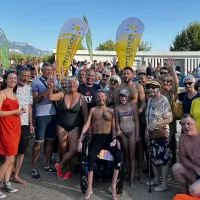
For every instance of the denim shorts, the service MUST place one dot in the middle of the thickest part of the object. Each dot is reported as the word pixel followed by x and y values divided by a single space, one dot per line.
pixel 45 128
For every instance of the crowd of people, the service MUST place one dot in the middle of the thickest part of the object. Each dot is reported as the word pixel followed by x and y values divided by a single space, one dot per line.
pixel 133 106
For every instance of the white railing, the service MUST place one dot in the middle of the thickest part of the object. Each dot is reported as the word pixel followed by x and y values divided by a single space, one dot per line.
pixel 187 60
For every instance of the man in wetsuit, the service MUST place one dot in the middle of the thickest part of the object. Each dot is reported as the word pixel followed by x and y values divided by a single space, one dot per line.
pixel 102 121
pixel 187 172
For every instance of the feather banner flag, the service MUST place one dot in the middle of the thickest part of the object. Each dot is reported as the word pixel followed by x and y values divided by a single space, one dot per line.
pixel 89 39
pixel 4 50
pixel 128 39
pixel 69 40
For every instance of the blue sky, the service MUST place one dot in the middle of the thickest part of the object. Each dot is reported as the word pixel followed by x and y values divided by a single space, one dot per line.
pixel 38 22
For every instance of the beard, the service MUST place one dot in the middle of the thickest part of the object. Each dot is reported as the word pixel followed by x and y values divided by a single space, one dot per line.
pixel 101 103
pixel 127 80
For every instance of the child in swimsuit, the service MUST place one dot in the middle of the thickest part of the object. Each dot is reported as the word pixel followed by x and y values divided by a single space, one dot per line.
pixel 127 125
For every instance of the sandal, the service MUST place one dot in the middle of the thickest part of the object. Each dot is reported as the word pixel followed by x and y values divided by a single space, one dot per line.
pixel 153 183
pixel 161 188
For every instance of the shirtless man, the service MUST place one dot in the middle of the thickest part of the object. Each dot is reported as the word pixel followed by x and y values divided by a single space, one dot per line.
pixel 136 90
pixel 187 172
pixel 101 120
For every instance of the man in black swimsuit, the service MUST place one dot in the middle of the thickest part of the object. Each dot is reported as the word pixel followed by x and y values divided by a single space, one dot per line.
pixel 102 121
pixel 188 170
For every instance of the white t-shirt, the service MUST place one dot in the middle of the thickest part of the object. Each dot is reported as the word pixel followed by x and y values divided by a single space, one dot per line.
pixel 25 97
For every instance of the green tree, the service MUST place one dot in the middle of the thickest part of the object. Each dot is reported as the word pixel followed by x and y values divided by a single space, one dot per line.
pixel 144 46
pixel 108 45
pixel 81 47
pixel 48 58
pixel 188 39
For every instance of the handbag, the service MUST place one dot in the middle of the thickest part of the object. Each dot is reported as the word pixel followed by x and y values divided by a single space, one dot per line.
pixel 161 132
pixel 177 109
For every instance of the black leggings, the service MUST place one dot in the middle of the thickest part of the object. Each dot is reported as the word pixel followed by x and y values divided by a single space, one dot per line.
pixel 100 142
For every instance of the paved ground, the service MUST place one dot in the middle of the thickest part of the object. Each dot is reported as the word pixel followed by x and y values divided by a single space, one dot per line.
pixel 49 187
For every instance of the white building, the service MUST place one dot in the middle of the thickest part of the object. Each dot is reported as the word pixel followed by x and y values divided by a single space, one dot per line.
pixel 187 60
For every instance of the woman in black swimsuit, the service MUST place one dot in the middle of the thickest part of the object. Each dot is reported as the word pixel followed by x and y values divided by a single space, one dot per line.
pixel 72 115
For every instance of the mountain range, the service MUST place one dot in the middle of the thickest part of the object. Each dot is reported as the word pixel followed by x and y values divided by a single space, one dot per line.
pixel 25 48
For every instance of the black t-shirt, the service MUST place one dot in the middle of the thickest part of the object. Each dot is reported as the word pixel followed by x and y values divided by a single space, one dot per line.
pixel 89 93
pixel 186 101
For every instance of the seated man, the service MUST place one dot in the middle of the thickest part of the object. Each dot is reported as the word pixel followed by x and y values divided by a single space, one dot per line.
pixel 101 120
pixel 187 172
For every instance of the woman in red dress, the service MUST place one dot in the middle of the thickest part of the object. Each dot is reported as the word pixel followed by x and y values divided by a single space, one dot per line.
pixel 10 124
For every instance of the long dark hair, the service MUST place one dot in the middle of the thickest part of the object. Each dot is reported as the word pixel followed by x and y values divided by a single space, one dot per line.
pixel 5 76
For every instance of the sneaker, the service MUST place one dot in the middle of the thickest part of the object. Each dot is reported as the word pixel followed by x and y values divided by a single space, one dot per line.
pixel 2 196
pixel 59 171
pixel 35 174
pixel 67 175
pixel 7 188
pixel 50 170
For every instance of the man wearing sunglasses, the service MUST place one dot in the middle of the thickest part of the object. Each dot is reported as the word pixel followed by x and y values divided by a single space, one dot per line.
pixel 105 80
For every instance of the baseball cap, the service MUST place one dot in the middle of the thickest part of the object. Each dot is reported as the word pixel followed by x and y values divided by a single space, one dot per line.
pixel 125 92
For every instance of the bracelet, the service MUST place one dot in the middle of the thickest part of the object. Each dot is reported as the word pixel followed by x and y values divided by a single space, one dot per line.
pixel 114 138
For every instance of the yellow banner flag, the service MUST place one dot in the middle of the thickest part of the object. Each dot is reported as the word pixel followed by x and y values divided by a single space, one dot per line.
pixel 128 39
pixel 69 40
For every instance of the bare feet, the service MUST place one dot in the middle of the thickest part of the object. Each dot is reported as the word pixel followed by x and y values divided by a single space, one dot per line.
pixel 88 193
pixel 132 184
pixel 142 181
pixel 112 189
pixel 16 179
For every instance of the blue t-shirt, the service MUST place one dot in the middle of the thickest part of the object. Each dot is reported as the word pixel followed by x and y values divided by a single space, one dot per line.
pixel 45 107
pixel 187 103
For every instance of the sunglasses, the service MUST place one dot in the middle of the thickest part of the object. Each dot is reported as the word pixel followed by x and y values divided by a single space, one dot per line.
pixel 113 81
pixel 163 73
pixel 107 76
pixel 151 87
pixel 189 83
pixel 166 80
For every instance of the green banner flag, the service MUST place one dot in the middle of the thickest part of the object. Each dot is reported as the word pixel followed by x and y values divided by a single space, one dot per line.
pixel 4 50
pixel 89 40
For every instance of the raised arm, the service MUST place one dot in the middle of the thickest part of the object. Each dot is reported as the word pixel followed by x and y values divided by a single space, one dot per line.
pixel 175 82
